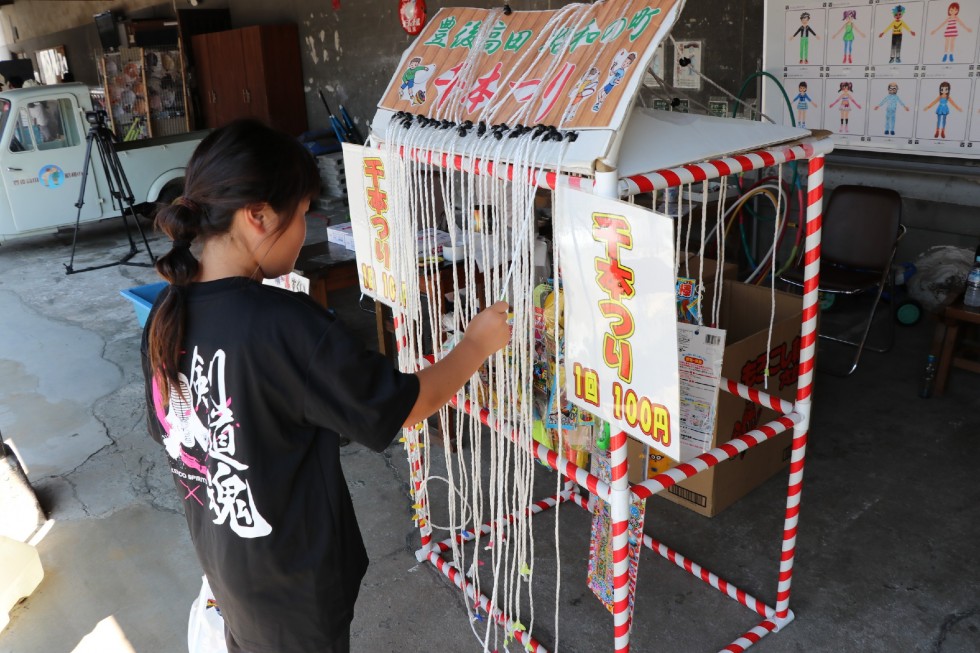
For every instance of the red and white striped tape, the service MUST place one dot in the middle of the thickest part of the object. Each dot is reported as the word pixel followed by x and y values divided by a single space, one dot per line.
pixel 804 391
pixel 755 396
pixel 711 458
pixel 458 579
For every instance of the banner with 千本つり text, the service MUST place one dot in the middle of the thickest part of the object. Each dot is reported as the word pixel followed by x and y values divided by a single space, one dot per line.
pixel 578 67
pixel 379 240
pixel 617 263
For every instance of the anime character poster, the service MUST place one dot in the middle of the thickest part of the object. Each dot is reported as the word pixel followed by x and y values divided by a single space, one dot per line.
pixel 849 41
pixel 806 97
pixel 891 108
pixel 951 36
pixel 943 110
pixel 897 33
pixel 846 106
pixel 806 34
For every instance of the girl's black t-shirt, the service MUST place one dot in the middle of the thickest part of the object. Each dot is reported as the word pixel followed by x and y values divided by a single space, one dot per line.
pixel 269 381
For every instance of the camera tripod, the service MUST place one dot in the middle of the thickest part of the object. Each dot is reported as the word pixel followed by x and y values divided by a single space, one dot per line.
pixel 101 136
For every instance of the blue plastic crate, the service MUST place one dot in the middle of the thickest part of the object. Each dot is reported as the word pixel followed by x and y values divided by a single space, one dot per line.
pixel 143 298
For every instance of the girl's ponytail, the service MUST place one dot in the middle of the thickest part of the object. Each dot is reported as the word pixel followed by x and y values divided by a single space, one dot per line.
pixel 182 222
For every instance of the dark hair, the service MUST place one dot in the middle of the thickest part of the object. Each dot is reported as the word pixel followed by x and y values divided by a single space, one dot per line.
pixel 242 164
pixel 947 85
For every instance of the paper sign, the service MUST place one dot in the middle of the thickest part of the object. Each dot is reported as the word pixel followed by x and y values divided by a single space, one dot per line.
pixel 377 242
pixel 617 263
pixel 576 68
pixel 291 281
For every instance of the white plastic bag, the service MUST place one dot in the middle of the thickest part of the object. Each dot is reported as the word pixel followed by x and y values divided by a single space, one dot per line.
pixel 206 627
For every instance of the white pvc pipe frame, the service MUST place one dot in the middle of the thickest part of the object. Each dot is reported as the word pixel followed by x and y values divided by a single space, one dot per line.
pixel 619 492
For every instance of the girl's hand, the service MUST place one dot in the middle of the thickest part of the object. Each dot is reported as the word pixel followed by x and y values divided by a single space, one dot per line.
pixel 489 331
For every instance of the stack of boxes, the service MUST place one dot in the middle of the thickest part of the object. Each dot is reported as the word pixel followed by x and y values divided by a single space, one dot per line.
pixel 333 181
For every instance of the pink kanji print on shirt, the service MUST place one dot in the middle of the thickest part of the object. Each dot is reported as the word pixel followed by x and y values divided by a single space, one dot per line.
pixel 191 442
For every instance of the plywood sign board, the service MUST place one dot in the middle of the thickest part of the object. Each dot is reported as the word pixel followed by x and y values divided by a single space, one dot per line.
pixel 577 67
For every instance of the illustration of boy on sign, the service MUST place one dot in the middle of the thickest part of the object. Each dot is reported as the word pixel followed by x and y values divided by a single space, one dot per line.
pixel 850 15
pixel 891 102
pixel 952 23
pixel 617 71
pixel 804 32
pixel 413 81
pixel 896 26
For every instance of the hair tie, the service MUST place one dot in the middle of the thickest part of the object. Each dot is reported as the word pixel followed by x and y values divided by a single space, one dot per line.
pixel 187 203
pixel 181 243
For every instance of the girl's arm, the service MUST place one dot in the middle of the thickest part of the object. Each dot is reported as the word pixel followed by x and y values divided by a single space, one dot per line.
pixel 962 24
pixel 931 104
pixel 835 101
pixel 487 333
pixel 939 26
pixel 839 31
pixel 855 102
pixel 858 30
pixel 955 106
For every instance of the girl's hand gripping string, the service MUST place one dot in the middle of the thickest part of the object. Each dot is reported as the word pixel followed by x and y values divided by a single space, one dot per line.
pixel 487 333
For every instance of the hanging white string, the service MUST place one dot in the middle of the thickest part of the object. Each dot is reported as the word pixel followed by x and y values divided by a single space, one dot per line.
pixel 772 281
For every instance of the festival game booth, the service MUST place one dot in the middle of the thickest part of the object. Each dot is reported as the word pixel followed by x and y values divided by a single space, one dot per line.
pixel 493 119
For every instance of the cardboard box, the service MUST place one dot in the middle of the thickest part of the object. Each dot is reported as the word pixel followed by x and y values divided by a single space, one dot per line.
pixel 341 234
pixel 745 313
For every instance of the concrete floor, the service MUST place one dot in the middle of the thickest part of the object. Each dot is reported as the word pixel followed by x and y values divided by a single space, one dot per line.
pixel 887 548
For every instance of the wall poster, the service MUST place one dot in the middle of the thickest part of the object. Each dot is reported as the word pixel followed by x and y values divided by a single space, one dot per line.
pixel 882 75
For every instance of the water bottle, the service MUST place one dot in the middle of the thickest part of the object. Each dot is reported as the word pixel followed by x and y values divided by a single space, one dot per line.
pixel 929 378
pixel 971 297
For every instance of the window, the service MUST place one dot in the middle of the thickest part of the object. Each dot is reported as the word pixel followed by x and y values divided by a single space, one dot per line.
pixel 53 123
pixel 23 137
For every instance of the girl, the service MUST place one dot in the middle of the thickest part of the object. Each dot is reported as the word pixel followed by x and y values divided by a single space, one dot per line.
pixel 850 15
pixel 802 100
pixel 942 104
pixel 845 98
pixel 952 22
pixel 249 388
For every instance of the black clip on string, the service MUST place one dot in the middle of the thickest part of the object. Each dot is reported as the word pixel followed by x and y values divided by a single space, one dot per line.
pixel 507 10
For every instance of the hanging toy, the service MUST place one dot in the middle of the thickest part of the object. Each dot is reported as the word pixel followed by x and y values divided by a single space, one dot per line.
pixel 412 14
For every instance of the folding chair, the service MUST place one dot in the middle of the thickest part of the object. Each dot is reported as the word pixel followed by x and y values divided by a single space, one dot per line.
pixel 861 231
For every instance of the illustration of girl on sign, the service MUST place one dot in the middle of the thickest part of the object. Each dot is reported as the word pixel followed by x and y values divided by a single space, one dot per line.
pixel 952 23
pixel 942 103
pixel 802 100
pixel 850 15
pixel 846 99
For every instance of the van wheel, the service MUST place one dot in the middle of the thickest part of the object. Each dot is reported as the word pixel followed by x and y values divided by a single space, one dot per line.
pixel 170 192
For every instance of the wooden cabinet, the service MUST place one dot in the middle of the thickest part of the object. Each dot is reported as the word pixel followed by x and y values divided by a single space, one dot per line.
pixel 252 72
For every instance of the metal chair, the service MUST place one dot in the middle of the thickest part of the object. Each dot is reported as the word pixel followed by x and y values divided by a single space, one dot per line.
pixel 862 227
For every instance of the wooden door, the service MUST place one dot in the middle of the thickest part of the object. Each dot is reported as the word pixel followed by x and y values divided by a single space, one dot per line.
pixel 275 76
pixel 203 61
pixel 258 69
pixel 228 76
